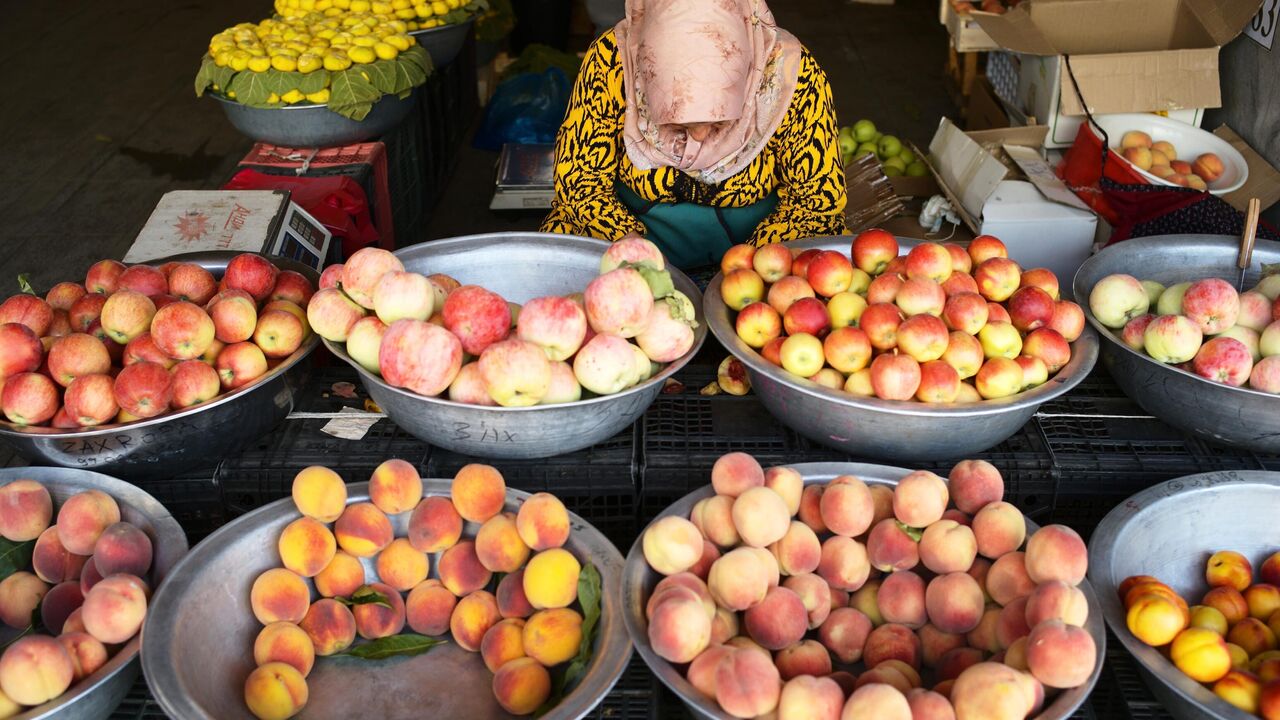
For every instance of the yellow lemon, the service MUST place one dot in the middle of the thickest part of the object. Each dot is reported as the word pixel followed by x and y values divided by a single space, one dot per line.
pixel 272 99
pixel 222 59
pixel 424 11
pixel 320 97
pixel 342 4
pixel 454 4
pixel 297 47
pixel 260 63
pixel 322 5
pixel 333 12
pixel 362 55
pixel 326 34
pixel 308 62
pixel 239 60
pixel 406 13
pixel 413 25
pixel 335 61
pixel 365 41
pixel 440 7
pixel 399 42
pixel 359 30
pixel 360 6
pixel 307 5
pixel 284 63
pixel 397 26
pixel 293 96
pixel 385 51
pixel 381 8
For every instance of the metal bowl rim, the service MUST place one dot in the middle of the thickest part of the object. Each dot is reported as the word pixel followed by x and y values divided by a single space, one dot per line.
pixel 1084 354
pixel 1101 547
pixel 664 670
pixel 296 106
pixel 1109 336
pixel 671 368
pixel 8 429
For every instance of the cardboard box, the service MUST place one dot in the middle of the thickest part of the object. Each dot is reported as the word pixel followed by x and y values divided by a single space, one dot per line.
pixel 966 34
pixel 985 111
pixel 1126 55
pixel 1264 179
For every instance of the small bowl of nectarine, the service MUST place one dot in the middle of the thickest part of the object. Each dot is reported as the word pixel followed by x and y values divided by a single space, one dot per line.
pixel 1174 154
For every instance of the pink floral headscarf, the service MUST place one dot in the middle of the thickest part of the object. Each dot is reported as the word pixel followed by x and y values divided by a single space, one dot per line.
pixel 693 61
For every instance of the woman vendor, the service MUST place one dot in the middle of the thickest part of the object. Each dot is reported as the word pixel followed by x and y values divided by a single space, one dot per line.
pixel 698 124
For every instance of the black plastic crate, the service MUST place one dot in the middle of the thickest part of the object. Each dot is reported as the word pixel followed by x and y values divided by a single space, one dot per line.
pixel 138 704
pixel 194 500
pixel 1121 672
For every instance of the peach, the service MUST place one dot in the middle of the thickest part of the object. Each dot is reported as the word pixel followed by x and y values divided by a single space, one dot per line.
pixel 429 607
pixel 929 705
pixel 713 517
pixel 799 551
pixel 984 636
pixel 778 621
pixel 935 643
pixel 1253 635
pixel 810 511
pixel 844 563
pixel 86 653
pixel 471 619
pixel 35 669
pixel 975 484
pixel 1203 616
pixel 890 547
pixel 1056 552
pixel 306 547
pixel 810 698
pixel 1229 602
pixel 1008 579
pixel 679 628
pixel 1201 654
pixel 814 593
pixel 89 576
pixel 434 525
pixel 1241 689
pixel 1263 600
pixel 83 518
pixel 122 548
pixel 1155 620
pixel 287 643
pixel 512 602
pixel 807 657
pixel 363 530
pixel 882 501
pixel 342 576
pixel 892 642
pixel 521 686
pixel 702 671
pixel 735 473
pixel 724 626
pixel 1060 655
pixel 275 691
pixel 845 633
pixel 543 522
pixel 672 545
pixel 26 510
pixel 553 636
pixel 498 544
pixel 319 493
pixel 401 566
pixel 991 691
pixel 788 484
pixel 395 487
pixel 954 662
pixel 58 604
pixel 1269 570
pixel 879 701
pixel 462 572
pixel 901 599
pixel 20 594
pixel 742 642
pixel 847 506
pixel 947 547
pixel 52 562
pixel 277 595
pixel 551 579
pixel 920 499
pixel 114 608
pixel 999 528
pixel 1057 600
pixel 478 492
pixel 888 673
pixel 747 684
pixel 954 602
pixel 739 580
pixel 1012 624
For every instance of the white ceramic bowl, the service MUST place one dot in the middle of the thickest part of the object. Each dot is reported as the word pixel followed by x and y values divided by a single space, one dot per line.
pixel 1189 140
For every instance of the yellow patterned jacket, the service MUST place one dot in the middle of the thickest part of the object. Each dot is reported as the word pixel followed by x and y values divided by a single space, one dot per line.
pixel 801 162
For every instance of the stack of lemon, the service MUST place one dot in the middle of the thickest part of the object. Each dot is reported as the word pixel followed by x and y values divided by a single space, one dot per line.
pixel 416 14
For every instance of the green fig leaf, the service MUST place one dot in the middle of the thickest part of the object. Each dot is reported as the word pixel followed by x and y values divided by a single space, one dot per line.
pixel 403 645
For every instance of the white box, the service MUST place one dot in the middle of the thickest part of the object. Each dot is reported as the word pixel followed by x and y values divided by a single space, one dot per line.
pixel 1039 232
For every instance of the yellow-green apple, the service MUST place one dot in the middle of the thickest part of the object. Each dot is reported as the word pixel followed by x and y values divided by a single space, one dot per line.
pixel 1134 333
pixel 960 260
pixel 1223 360
pixel 873 250
pixel 921 296
pixel 419 356
pixel 399 294
pixel 958 283
pixel 930 261
pixel 1265 375
pixel 1172 339
pixel 85 311
pixel 802 355
pixel 331 314
pixel 998 377
pixel 859 383
pixel 997 278
pixel 1208 166
pixel 859 281
pixel 363 270
pixel 1034 371
pixel 28 310
pixel 894 376
pixel 1251 339
pixel 331 277
pixel 847 349
pixel 829 378
pixel 997 313
pixel 104 276
pixel 985 247
pixel 605 365
pixel 738 257
pixel 880 322
pixel 1170 302
pixel 290 285
pixel 194 382
pixel 210 354
pixel 1140 157
pixel 1042 278
pixel 182 330
pixel 515 373
pixel 238 365
pixel 1049 346
pixel 1117 299
pixel 966 312
pixel 786 291
pixel 63 295
pixel 564 387
pixel 143 279
pixel 1269 341
pixel 757 324
pixel 939 383
pixel 968 393
pixel 1269 285
pixel 190 282
pixel 772 262
pixel 126 315
pixel 668 334
pixel 772 350
pixel 829 273
pixel 806 315
pixel 61 324
pixel 1255 310
pixel 468 387
pixel 963 353
pixel 29 398
pixel 1154 290
pixel 69 358
pixel 800 266
pixel 279 333
pixel 363 342
pixel 1000 339
pixel 617 303
pixel 1068 320
pixel 21 351
pixel 90 400
pixel 144 389
pixel 636 251
pixel 845 309
pixel 884 289
pixel 235 315
pixel 923 337
pixel 254 274
pixel 446 282
pixel 1212 303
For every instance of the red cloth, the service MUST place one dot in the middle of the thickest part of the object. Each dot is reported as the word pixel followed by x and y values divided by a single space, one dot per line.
pixel 337 202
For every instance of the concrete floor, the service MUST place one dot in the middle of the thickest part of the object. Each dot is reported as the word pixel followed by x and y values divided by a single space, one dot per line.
pixel 96 132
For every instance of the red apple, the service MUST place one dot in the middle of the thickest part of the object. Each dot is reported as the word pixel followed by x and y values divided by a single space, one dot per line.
pixel 1224 360
pixel 895 377
pixel 963 353
pixel 1135 331
pixel 1042 278
pixel 86 311
pixel 897 266
pixel 1068 320
pixel 738 257
pixel 29 398
pixel 290 285
pixel 923 337
pixel 884 289
pixel 772 262
pixel 880 322
pixel 468 387
pixel 254 274
pixel 557 324
pixel 28 310
pixel 921 296
pixel 194 382
pixel 960 260
pixel 182 330
pixel 929 261
pixel 331 277
pixel 1255 311
pixel 190 282
pixel 958 283
pixel 75 355
pixel 1030 307
pixel 20 350
pixel 63 295
pixel 331 314
pixel 985 247
pixel 757 324
pixel 90 400
pixel 847 349
pixel 238 365
pixel 62 421
pixel 873 250
pixel 999 377
pixel 279 333
pixel 997 313
pixel 743 286
pixel 1266 375
pixel 1049 346
pixel 636 251
pixel 293 310
pixel 61 324
pixel 1034 372
pixel 667 335
pixel 419 356
pixel 144 349
pixel 126 315
pixel 234 315
pixel 144 389
pixel 480 318
pixel 807 315
pixel 772 350
pixel 104 277
pixel 1212 303
pixel 800 266
pixel 997 278
pixel 143 279
pixel 939 383
pixel 966 312
pixel 829 273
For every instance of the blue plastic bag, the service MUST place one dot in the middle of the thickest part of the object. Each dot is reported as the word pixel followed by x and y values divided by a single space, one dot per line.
pixel 527 109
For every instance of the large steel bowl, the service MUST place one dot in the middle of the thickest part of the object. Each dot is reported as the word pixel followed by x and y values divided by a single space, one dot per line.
pixel 1169 531
pixel 638 580
pixel 892 429
pixel 95 697
pixel 519 267
pixel 1240 417
pixel 164 446
pixel 198 640
pixel 445 42
pixel 305 126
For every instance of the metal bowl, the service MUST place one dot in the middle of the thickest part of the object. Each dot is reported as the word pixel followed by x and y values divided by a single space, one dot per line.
pixel 95 697
pixel 308 126
pixel 165 446
pixel 198 640
pixel 638 580
pixel 519 266
pixel 1169 531
pixel 1240 417
pixel 445 42
pixel 871 427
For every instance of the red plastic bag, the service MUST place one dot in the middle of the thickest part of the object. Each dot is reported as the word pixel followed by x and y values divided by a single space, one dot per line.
pixel 337 202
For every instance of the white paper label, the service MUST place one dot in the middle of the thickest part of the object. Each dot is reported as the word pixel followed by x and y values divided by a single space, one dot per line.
pixel 1263 26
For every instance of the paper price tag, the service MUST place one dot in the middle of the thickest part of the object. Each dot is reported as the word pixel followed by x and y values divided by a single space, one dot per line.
pixel 1262 29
